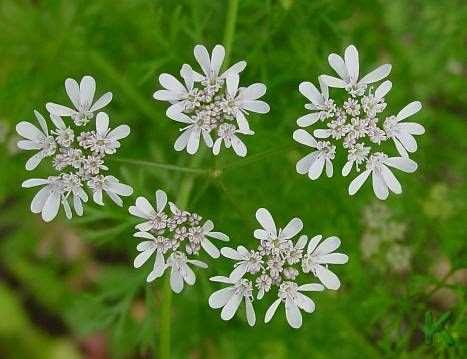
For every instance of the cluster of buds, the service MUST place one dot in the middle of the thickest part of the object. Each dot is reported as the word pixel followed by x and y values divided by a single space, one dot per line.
pixel 76 154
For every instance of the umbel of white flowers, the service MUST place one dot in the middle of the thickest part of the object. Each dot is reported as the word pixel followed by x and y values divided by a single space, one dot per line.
pixel 77 154
pixel 358 126
pixel 175 237
pixel 211 103
pixel 277 265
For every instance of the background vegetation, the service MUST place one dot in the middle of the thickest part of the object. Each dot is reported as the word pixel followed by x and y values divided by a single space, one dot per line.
pixel 68 289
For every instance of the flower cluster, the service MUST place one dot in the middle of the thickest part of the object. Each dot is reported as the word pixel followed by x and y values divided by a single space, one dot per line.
pixel 358 125
pixel 275 266
pixel 174 236
pixel 76 153
pixel 211 103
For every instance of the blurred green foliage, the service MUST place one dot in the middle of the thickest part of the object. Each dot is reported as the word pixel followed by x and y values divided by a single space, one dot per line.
pixel 68 288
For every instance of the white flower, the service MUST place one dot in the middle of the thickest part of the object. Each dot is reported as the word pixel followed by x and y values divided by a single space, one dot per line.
pixel 228 135
pixel 173 235
pixel 314 162
pixel 348 70
pixel 383 179
pixel 211 65
pixel 356 155
pixel 270 233
pixel 319 256
pixel 47 200
pixel 104 140
pixel 111 186
pixel 36 139
pixel 290 294
pixel 82 97
pixel 211 103
pixel 320 103
pixel 240 101
pixel 402 132
pixel 247 262
pixel 230 298
pixel 190 136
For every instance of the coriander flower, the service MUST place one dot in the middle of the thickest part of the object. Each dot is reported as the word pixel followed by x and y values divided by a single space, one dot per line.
pixel 174 236
pixel 36 139
pixel 318 257
pixel 314 162
pixel 355 125
pixel 383 179
pixel 402 132
pixel 211 105
pixel 348 70
pixel 276 265
pixel 76 154
pixel 290 293
pixel 82 97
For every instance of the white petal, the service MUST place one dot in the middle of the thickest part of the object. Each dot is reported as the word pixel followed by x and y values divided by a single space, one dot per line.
pixel 176 280
pixel 216 148
pixel 242 122
pixel 409 110
pixel 121 189
pixel 51 207
pixel 218 235
pixel 322 133
pixel 188 275
pixel 144 207
pixel 310 91
pixel 182 141
pixel 311 287
pixel 402 163
pixel 253 92
pixel 347 168
pixel 313 243
pixel 333 258
pixel 301 243
pixel 292 228
pixel 271 310
pixel 57 121
pixel 232 84
pixel 305 303
pixel 328 245
pixel 158 269
pixel 144 245
pixel 221 279
pixel 337 63
pixel 237 67
pixel 217 58
pixel 239 147
pixel 34 161
pixel 333 81
pixel 72 90
pixel 265 219
pixel 250 312
pixel 231 253
pixel 197 263
pixel 102 123
pixel 193 141
pixel 293 315
pixel 383 89
pixel 412 127
pixel 377 74
pixel 408 141
pixel 304 164
pixel 219 298
pixel 239 271
pixel 328 278
pixel 358 182
pixel 305 138
pixel 143 257
pixel 101 102
pixel 59 110
pixel 379 186
pixel 143 234
pixel 400 148
pixel 87 88
pixel 210 248
pixel 351 62
pixel 308 120
pixel 316 168
pixel 29 131
pixel 28 145
pixel 255 106
pixel 167 95
pixel 202 56
pixel 119 132
pixel 390 180
pixel 329 168
pixel 231 307
pixel 171 83
pixel 161 200
pixel 39 200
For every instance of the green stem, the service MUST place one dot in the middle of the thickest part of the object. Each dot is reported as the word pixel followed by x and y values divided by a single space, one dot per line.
pixel 184 193
pixel 164 166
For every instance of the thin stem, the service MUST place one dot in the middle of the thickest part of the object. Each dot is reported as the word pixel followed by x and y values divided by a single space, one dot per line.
pixel 184 193
pixel 164 166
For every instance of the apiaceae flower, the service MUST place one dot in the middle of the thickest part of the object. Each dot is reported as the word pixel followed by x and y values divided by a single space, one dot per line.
pixel 211 104
pixel 75 154
pixel 176 237
pixel 357 126
pixel 277 265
